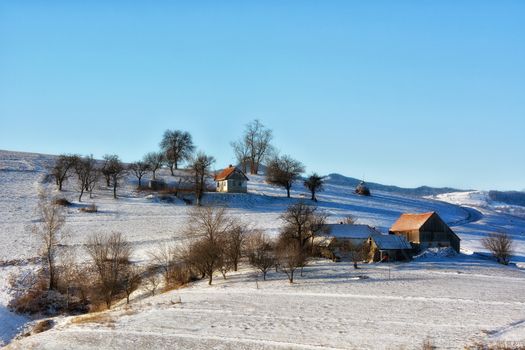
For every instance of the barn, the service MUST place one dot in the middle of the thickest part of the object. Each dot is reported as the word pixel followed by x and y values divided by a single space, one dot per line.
pixel 426 230
pixel 232 180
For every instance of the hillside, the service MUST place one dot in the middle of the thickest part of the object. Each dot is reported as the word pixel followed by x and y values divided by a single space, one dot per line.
pixel 450 299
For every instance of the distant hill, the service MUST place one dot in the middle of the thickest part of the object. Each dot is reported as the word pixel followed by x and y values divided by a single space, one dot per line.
pixel 338 179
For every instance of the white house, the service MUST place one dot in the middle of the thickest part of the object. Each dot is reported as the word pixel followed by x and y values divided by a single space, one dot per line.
pixel 232 180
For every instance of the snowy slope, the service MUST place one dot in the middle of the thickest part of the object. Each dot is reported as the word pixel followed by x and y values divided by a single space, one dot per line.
pixel 147 221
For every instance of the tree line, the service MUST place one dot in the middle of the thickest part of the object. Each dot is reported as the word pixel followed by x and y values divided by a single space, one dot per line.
pixel 252 150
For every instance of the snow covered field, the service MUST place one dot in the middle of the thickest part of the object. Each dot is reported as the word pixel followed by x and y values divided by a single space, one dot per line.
pixel 450 300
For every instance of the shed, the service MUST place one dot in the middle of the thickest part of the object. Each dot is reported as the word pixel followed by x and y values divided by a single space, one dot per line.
pixel 232 180
pixel 426 230
pixel 389 248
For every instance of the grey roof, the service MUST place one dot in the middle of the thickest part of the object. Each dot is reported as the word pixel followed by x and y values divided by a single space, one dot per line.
pixel 387 242
pixel 352 231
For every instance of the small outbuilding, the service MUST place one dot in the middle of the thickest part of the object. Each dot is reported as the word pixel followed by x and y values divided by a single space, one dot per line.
pixel 389 248
pixel 424 231
pixel 232 180
pixel 362 189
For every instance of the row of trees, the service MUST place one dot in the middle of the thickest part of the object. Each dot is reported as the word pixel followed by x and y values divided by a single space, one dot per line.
pixel 176 148
pixel 87 172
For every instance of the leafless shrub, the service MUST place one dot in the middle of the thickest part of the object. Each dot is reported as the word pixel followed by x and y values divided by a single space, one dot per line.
pixel 166 258
pixel 428 344
pixel 42 326
pixel 260 252
pixel 131 280
pixel 152 282
pixel 349 219
pixel 92 208
pixel 500 245
pixel 110 259
pixel 62 202
pixel 139 169
pixel 290 256
pixel 50 233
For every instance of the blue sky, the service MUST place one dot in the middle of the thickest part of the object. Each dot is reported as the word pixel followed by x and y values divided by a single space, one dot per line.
pixel 398 92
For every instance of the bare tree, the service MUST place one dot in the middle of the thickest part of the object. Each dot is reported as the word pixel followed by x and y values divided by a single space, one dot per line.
pixel 356 252
pixel 50 232
pixel 260 252
pixel 242 154
pixel 233 244
pixel 153 282
pixel 255 145
pixel 302 223
pixel 206 257
pixel 63 164
pixel 290 256
pixel 500 245
pixel 155 160
pixel 201 166
pixel 131 279
pixel 211 223
pixel 210 227
pixel 177 146
pixel 166 258
pixel 349 219
pixel 85 169
pixel 283 171
pixel 139 169
pixel 117 171
pixel 110 257
pixel 314 183
pixel 106 170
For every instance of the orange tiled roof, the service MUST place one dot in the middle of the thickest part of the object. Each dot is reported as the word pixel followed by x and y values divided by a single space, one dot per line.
pixel 226 173
pixel 409 222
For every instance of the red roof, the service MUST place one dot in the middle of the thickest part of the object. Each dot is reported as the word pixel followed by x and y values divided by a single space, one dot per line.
pixel 409 222
pixel 226 173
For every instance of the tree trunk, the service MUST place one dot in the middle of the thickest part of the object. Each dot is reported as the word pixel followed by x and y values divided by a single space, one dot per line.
pixel 154 174
pixel 115 189
pixel 81 193
pixel 264 275
pixel 291 276
pixel 140 184
pixel 210 278
pixel 59 183
pixel 313 196
pixel 171 169
pixel 355 264
pixel 288 191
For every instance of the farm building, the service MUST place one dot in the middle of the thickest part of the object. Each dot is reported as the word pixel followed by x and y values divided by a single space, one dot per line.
pixel 232 180
pixel 389 248
pixel 362 189
pixel 425 230
pixel 343 234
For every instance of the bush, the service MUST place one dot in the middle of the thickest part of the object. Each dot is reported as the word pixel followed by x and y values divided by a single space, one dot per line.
pixel 42 326
pixel 62 202
pixel 92 208
pixel 500 245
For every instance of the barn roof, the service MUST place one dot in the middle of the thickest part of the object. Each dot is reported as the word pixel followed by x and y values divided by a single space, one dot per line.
pixel 409 222
pixel 226 173
pixel 387 242
pixel 352 231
